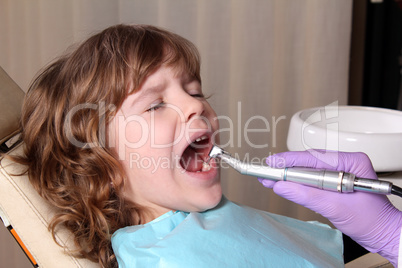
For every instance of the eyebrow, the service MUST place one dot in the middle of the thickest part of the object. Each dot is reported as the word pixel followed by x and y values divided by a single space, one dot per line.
pixel 144 93
pixel 188 78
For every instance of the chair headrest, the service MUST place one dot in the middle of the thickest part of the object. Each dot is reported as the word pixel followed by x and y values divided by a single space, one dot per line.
pixel 11 97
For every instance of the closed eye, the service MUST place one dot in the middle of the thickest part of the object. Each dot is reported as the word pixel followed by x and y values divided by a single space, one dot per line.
pixel 156 107
pixel 199 95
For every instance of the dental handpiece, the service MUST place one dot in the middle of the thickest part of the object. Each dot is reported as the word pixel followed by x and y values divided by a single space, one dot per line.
pixel 337 181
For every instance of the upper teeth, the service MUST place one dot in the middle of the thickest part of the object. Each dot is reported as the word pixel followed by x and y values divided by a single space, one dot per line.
pixel 201 138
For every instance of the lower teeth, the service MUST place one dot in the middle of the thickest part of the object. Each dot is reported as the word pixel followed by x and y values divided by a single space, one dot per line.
pixel 205 166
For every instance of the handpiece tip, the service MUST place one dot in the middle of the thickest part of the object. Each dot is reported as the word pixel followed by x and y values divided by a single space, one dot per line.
pixel 215 152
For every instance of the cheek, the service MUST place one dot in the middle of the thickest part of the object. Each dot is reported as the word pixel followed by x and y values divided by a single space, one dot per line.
pixel 134 133
pixel 164 131
pixel 128 134
pixel 213 120
pixel 211 115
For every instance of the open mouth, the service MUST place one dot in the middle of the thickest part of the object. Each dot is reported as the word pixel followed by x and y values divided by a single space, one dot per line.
pixel 195 156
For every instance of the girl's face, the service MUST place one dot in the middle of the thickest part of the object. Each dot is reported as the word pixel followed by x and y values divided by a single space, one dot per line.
pixel 162 135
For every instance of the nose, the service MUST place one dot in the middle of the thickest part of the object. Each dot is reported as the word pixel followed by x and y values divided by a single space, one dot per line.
pixel 192 107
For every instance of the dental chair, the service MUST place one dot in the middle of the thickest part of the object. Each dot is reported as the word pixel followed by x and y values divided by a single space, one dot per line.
pixel 24 213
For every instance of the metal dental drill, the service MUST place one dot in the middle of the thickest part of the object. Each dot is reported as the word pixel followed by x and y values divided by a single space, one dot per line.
pixel 336 181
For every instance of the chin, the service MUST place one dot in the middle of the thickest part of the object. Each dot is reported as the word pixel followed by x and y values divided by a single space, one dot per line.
pixel 210 202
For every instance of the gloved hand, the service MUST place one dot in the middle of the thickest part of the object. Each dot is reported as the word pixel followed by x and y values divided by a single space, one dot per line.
pixel 369 219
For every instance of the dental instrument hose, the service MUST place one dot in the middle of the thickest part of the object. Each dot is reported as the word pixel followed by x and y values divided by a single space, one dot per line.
pixel 395 190
pixel 337 181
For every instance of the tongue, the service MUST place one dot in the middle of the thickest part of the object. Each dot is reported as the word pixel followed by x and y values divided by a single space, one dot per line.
pixel 190 160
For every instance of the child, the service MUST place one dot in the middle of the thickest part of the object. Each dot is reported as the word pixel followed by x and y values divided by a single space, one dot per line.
pixel 116 134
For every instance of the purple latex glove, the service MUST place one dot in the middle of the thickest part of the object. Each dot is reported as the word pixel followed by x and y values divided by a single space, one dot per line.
pixel 369 219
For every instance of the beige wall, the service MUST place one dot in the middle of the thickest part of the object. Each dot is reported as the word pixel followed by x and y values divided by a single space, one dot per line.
pixel 269 58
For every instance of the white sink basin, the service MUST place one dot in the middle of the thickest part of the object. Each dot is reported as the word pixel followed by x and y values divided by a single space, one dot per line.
pixel 374 131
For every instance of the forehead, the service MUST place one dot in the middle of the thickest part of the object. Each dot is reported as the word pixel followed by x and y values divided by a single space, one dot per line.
pixel 165 73
pixel 159 79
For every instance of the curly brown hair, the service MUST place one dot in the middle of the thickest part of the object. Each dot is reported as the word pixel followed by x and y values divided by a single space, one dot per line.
pixel 67 157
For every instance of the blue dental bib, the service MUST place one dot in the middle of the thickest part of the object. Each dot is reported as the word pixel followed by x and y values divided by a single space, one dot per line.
pixel 228 236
